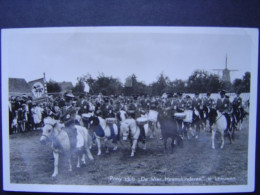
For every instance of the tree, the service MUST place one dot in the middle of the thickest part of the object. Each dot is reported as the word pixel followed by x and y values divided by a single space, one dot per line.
pixel 107 85
pixel 161 85
pixel 53 87
pixel 201 81
pixel 79 87
pixel 178 86
pixel 237 85
pixel 137 88
pixel 246 82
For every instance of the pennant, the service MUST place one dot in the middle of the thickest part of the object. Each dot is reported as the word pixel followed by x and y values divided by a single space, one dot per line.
pixel 86 87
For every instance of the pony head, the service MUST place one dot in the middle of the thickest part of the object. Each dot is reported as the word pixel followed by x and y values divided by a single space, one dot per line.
pixel 125 129
pixel 48 129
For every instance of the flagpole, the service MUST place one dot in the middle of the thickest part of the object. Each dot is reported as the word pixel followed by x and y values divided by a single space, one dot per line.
pixel 45 87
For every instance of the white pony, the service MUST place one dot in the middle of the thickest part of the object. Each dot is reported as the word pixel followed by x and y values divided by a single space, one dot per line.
pixel 54 132
pixel 130 129
pixel 219 124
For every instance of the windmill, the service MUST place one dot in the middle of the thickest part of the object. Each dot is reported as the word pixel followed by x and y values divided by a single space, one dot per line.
pixel 225 72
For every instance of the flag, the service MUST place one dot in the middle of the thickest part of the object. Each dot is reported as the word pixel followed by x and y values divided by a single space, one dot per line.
pixel 86 87
pixel 38 89
pixel 129 82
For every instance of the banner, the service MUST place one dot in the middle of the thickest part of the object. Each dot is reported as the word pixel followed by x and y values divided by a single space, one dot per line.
pixel 38 89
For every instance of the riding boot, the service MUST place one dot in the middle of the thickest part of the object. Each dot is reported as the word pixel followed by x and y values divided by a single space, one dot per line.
pixel 228 121
pixel 142 133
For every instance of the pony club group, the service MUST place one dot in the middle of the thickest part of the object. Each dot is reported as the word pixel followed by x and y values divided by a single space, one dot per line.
pixel 85 122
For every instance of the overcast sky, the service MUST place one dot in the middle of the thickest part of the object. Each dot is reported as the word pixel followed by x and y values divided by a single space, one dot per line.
pixel 67 53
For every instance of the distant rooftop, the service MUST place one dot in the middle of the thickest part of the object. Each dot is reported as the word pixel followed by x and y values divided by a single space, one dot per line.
pixel 18 86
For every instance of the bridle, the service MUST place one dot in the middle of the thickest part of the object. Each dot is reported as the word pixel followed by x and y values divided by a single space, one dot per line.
pixel 48 137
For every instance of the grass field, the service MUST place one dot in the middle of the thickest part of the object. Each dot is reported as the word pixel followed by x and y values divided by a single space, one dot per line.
pixel 195 163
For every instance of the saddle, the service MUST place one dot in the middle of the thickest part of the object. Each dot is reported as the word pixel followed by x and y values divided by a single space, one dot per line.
pixel 228 118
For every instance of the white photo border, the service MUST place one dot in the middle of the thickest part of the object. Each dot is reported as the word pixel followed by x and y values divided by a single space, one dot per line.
pixel 253 33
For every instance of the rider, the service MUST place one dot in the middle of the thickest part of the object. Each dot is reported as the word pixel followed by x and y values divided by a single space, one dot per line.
pixel 223 105
pixel 207 102
pixel 68 116
pixel 187 108
pixel 197 104
pixel 131 109
pixel 176 106
pixel 238 109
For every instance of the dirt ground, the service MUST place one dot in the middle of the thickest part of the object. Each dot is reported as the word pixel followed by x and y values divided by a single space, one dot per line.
pixel 195 163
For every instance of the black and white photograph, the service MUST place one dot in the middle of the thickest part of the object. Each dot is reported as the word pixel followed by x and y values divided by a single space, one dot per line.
pixel 116 109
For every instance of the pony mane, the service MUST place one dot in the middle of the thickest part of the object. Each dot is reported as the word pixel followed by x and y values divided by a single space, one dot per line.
pixel 53 122
pixel 50 121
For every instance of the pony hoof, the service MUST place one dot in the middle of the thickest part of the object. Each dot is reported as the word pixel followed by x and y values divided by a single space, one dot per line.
pixel 115 148
pixel 54 176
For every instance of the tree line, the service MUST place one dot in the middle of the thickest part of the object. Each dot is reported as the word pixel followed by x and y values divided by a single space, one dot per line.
pixel 200 81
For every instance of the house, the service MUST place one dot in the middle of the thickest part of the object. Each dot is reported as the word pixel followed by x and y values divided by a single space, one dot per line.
pixel 18 87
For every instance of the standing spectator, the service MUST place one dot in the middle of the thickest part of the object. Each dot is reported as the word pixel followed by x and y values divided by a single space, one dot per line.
pixel 36 115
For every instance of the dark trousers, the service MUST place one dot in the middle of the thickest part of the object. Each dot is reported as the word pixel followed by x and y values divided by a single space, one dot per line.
pixel 228 120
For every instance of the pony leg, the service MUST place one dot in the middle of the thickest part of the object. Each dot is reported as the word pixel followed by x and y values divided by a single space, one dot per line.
pixel 152 131
pixel 99 146
pixel 56 162
pixel 78 161
pixel 173 143
pixel 240 125
pixel 222 140
pixel 165 145
pixel 144 148
pixel 89 154
pixel 213 139
pixel 231 135
pixel 115 147
pixel 197 130
pixel 133 148
pixel 83 158
pixel 69 161
pixel 107 144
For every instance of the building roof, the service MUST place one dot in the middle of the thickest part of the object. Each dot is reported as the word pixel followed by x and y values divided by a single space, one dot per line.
pixel 18 86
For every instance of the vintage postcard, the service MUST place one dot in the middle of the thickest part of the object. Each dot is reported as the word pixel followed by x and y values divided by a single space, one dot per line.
pixel 129 109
